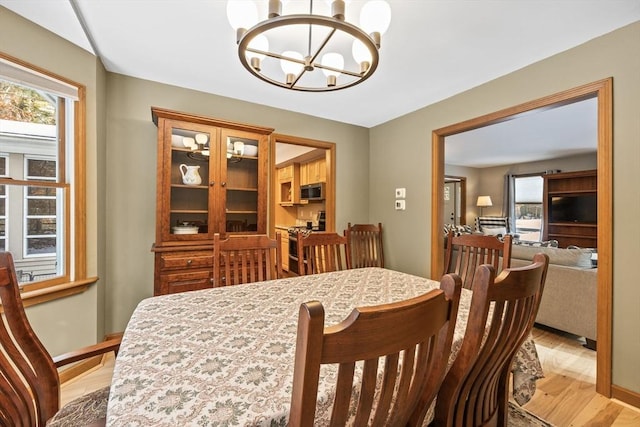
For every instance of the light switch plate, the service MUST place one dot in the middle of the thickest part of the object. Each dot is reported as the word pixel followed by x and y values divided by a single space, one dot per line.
pixel 400 205
pixel 401 193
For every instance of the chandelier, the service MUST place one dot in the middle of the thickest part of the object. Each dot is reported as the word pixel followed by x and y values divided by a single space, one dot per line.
pixel 301 44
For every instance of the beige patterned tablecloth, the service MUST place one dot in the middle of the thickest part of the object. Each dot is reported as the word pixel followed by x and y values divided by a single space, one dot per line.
pixel 224 356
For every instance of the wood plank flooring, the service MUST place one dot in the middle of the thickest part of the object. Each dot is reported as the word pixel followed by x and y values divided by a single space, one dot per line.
pixel 566 396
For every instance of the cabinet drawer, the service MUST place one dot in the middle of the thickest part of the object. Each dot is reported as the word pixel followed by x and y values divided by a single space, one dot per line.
pixel 180 282
pixel 186 260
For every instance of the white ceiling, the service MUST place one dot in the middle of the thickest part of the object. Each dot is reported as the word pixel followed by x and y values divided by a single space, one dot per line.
pixel 539 135
pixel 433 49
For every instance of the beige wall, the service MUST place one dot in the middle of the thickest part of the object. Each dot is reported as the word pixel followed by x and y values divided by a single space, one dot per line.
pixel 131 174
pixel 613 55
pixel 70 322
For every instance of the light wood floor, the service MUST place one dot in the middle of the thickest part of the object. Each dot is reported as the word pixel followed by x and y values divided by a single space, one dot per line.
pixel 565 397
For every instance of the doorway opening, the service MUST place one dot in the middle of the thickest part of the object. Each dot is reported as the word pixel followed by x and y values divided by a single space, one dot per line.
pixel 455 200
pixel 602 90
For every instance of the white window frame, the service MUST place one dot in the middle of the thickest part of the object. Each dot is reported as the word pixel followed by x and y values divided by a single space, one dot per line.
pixel 518 201
pixel 59 215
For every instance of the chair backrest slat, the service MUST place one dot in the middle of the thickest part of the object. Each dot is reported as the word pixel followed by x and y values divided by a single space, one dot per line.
pixel 475 389
pixel 365 245
pixel 29 382
pixel 322 252
pixel 404 347
pixel 246 258
pixel 464 253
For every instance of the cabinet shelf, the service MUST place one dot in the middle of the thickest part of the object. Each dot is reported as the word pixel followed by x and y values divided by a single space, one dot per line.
pixel 574 224
pixel 189 211
pixel 241 189
pixel 241 212
pixel 569 192
pixel 191 187
pixel 237 159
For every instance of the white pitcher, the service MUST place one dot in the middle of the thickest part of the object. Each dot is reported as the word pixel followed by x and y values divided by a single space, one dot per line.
pixel 190 174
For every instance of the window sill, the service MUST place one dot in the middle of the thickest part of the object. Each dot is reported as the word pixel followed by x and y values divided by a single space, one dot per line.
pixel 54 292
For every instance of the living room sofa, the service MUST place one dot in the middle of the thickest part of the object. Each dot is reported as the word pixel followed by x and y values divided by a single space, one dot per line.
pixel 569 300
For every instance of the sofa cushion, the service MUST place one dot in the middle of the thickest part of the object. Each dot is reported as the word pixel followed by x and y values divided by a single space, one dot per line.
pixel 457 229
pixel 545 243
pixel 492 221
pixel 573 257
pixel 494 231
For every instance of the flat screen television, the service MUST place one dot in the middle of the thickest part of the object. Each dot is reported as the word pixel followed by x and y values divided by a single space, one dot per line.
pixel 575 208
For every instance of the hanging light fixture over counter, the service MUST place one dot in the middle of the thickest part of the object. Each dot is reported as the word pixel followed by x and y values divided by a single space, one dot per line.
pixel 301 44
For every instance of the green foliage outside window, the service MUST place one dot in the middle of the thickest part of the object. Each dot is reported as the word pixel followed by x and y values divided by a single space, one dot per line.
pixel 22 104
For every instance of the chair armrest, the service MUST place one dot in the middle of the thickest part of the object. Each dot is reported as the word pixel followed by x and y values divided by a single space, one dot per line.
pixel 87 352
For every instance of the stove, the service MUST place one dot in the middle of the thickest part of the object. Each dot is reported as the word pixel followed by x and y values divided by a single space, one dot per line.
pixel 293 246
pixel 293 231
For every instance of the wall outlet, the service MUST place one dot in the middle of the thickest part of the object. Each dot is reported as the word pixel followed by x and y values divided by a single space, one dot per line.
pixel 400 205
pixel 401 193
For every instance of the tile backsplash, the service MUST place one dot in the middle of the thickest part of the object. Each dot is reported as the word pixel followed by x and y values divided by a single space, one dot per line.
pixel 309 213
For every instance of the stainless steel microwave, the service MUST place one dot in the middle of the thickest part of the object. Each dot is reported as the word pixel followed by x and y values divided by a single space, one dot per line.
pixel 312 191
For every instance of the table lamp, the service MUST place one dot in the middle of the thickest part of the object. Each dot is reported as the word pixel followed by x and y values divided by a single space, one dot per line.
pixel 483 202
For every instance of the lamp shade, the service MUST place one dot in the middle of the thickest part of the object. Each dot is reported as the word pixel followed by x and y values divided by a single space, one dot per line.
pixel 484 201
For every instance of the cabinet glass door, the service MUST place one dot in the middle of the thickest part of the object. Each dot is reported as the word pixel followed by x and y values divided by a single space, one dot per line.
pixel 191 149
pixel 241 180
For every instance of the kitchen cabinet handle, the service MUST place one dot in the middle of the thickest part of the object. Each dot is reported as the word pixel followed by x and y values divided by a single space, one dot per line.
pixel 212 183
pixel 224 184
pixel 189 261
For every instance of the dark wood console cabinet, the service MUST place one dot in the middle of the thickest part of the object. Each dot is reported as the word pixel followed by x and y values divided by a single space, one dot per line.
pixel 579 229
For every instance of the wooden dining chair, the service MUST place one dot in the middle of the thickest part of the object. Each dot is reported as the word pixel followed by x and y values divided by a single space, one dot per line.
pixel 475 390
pixel 29 381
pixel 246 258
pixel 467 251
pixel 322 252
pixel 412 338
pixel 365 245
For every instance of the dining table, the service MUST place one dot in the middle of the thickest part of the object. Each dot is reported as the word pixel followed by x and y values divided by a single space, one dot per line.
pixel 225 356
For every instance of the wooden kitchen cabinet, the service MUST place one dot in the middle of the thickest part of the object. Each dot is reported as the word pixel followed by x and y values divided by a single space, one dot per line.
pixel 289 185
pixel 285 173
pixel 313 172
pixel 218 187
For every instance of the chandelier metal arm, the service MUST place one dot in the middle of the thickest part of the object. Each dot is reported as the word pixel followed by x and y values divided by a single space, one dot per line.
pixel 303 62
pixel 322 46
pixel 312 20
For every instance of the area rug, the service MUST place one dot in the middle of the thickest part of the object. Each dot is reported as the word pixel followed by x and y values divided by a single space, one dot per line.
pixel 520 417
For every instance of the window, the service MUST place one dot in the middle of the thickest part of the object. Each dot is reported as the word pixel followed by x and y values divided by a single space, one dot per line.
pixel 528 207
pixel 41 207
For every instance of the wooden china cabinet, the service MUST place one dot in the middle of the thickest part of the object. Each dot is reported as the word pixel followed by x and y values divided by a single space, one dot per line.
pixel 211 178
